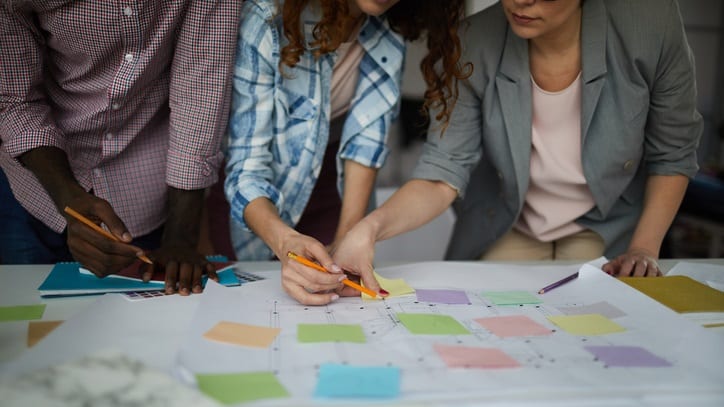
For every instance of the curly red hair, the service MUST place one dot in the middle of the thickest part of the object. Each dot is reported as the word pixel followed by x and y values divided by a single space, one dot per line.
pixel 439 19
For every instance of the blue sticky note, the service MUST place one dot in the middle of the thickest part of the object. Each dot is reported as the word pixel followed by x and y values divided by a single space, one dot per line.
pixel 344 381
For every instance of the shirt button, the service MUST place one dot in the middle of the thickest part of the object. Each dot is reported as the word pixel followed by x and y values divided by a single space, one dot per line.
pixel 128 11
pixel 129 57
pixel 109 136
pixel 628 165
pixel 116 106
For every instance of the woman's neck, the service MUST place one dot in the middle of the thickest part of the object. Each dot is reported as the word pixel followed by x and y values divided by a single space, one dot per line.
pixel 555 58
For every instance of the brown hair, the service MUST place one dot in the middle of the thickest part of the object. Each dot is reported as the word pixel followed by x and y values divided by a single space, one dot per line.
pixel 439 19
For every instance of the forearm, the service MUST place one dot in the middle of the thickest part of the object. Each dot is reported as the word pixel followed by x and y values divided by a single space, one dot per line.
pixel 184 218
pixel 50 165
pixel 661 202
pixel 359 182
pixel 262 217
pixel 413 205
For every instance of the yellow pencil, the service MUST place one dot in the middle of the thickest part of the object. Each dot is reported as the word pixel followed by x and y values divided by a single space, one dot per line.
pixel 347 282
pixel 70 211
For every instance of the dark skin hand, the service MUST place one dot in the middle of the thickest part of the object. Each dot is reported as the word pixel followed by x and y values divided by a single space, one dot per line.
pixel 178 255
pixel 184 266
pixel 99 254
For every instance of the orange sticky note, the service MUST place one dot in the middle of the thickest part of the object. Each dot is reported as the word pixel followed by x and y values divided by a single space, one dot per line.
pixel 235 333
pixel 38 330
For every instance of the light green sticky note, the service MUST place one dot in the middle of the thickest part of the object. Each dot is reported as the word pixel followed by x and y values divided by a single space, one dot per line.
pixel 309 333
pixel 511 297
pixel 21 312
pixel 432 324
pixel 586 324
pixel 235 388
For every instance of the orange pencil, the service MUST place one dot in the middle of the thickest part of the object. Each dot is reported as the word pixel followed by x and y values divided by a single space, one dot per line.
pixel 70 211
pixel 347 282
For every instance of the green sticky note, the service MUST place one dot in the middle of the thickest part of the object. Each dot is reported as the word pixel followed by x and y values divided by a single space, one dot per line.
pixel 235 388
pixel 432 324
pixel 511 297
pixel 586 324
pixel 309 333
pixel 21 312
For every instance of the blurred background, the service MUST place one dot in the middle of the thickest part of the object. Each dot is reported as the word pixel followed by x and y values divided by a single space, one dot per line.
pixel 698 231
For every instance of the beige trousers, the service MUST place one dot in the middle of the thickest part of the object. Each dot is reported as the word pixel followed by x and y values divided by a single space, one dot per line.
pixel 514 245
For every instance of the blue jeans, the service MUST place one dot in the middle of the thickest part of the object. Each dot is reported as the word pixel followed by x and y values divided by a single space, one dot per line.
pixel 26 240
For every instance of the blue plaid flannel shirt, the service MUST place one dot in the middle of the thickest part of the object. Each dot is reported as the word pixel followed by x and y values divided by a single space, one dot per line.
pixel 279 122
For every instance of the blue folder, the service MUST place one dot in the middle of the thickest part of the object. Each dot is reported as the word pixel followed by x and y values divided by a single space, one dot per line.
pixel 65 279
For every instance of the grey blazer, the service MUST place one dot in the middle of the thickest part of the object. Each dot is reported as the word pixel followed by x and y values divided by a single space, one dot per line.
pixel 638 117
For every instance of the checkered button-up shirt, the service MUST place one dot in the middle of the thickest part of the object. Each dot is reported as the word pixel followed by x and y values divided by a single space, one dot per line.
pixel 280 119
pixel 135 92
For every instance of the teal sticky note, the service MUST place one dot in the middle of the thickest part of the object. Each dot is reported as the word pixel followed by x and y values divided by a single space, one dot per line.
pixel 344 381
pixel 432 324
pixel 235 388
pixel 511 297
pixel 310 333
pixel 21 312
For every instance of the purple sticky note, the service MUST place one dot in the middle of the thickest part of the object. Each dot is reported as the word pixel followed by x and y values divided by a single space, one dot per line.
pixel 626 356
pixel 442 296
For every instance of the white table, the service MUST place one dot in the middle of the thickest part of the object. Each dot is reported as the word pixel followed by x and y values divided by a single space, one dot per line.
pixel 20 288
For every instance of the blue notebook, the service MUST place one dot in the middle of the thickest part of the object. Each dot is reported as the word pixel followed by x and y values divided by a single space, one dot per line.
pixel 66 279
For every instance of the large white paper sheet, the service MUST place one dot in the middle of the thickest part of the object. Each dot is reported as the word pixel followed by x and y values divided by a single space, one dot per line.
pixel 554 368
pixel 150 331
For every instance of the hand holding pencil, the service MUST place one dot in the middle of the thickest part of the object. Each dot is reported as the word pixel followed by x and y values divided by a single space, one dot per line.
pixel 346 281
pixel 342 277
pixel 97 249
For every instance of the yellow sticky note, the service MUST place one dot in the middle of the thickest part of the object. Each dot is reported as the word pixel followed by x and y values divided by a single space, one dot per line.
pixel 586 324
pixel 242 334
pixel 395 287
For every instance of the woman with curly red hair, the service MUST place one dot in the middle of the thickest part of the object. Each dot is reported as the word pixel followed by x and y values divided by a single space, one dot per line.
pixel 316 87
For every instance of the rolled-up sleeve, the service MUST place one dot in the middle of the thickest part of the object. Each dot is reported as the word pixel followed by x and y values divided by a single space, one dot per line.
pixel 200 89
pixel 450 157
pixel 674 126
pixel 249 172
pixel 25 117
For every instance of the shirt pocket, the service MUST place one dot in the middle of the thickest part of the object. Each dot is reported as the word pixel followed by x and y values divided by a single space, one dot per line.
pixel 297 107
pixel 297 116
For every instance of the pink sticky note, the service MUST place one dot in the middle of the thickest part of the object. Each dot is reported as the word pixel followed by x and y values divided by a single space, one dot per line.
pixel 476 358
pixel 514 325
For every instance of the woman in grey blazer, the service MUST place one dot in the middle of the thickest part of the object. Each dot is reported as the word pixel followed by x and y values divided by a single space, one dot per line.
pixel 616 76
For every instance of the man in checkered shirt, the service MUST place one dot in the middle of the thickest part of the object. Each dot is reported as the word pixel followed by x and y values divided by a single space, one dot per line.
pixel 116 109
